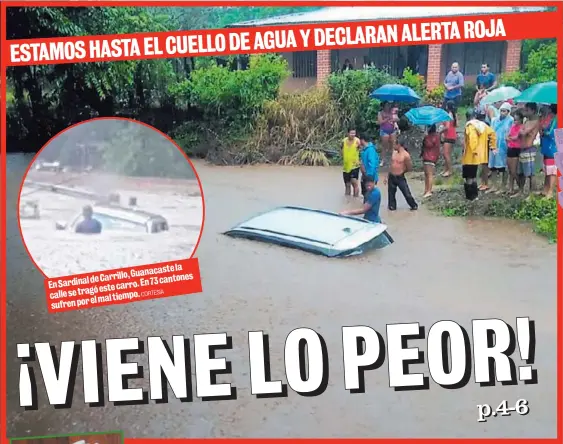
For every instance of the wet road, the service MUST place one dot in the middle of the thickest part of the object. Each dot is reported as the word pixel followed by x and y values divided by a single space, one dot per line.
pixel 438 269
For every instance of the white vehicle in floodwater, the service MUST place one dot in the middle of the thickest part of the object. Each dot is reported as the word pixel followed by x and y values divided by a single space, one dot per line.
pixel 117 218
pixel 48 166
pixel 314 231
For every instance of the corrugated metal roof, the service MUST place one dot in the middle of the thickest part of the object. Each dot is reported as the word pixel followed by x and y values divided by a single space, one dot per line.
pixel 360 13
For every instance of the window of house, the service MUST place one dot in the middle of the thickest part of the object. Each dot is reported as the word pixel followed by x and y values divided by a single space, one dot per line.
pixel 305 64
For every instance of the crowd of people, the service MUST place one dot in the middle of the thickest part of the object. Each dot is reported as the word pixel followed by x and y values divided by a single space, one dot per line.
pixel 500 139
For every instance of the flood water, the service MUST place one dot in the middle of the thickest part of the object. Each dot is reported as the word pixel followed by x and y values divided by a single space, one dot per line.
pixel 61 253
pixel 437 269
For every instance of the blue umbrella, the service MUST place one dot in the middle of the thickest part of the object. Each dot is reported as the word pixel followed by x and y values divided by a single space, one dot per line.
pixel 427 115
pixel 395 93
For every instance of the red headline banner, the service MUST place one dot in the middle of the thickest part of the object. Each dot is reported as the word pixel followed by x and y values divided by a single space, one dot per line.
pixel 107 48
pixel 123 285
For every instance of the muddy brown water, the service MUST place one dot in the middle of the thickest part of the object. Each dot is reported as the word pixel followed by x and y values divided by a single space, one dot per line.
pixel 438 269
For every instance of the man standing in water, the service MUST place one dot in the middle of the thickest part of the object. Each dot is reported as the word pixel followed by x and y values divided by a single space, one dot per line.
pixel 372 203
pixel 351 163
pixel 401 163
pixel 89 224
pixel 369 163
pixel 527 157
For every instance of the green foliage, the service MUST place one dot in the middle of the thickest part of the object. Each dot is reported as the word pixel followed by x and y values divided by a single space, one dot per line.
pixel 49 98
pixel 235 97
pixel 531 45
pixel 350 90
pixel 468 95
pixel 517 79
pixel 435 96
pixel 540 66
pixel 541 212
pixel 414 81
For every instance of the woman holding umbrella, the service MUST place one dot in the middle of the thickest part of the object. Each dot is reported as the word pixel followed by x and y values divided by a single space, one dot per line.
pixel 387 121
pixel 387 118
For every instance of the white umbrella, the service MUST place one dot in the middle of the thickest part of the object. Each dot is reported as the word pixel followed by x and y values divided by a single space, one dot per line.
pixel 501 94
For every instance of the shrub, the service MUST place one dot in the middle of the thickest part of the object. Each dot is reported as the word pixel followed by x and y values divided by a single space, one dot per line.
pixel 541 212
pixel 235 97
pixel 541 66
pixel 435 96
pixel 414 81
pixel 517 79
pixel 298 123
pixel 351 89
pixel 468 95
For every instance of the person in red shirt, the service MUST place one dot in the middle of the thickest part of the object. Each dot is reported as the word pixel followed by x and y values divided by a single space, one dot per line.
pixel 430 154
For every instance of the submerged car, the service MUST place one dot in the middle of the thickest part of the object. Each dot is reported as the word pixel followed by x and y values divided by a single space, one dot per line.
pixel 49 166
pixel 116 218
pixel 315 231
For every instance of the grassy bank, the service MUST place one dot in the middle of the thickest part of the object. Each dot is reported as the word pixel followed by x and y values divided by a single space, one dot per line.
pixel 449 200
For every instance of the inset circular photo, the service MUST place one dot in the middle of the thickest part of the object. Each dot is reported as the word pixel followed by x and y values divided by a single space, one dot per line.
pixel 109 193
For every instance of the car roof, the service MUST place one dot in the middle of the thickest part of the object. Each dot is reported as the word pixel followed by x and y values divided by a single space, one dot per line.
pixel 138 216
pixel 316 231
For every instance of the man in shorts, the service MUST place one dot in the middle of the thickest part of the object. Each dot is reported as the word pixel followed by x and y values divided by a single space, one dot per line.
pixel 351 163
pixel 527 157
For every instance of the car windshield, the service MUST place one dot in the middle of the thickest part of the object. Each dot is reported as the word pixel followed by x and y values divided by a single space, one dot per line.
pixel 114 223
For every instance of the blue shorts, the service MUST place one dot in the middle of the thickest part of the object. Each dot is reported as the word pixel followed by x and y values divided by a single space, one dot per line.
pixel 385 133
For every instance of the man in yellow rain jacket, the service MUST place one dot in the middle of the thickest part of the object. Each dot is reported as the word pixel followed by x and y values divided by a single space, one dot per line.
pixel 479 139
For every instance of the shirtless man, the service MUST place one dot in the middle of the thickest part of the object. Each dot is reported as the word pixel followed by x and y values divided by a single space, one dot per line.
pixel 401 163
pixel 527 157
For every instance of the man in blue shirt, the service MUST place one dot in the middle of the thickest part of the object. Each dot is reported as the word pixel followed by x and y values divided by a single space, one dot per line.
pixel 486 78
pixel 369 162
pixel 89 225
pixel 372 203
pixel 454 84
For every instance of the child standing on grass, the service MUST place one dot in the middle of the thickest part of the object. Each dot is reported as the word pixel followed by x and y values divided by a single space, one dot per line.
pixel 401 163
pixel 430 154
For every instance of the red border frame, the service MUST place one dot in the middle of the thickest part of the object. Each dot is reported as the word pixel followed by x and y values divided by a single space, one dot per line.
pixel 3 332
